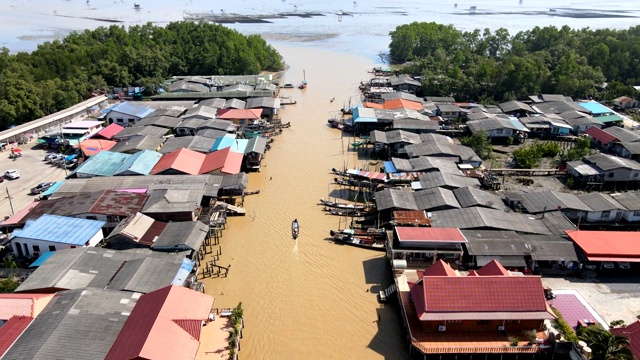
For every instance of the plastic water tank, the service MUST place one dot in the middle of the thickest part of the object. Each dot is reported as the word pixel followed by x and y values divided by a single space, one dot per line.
pixel 582 345
pixel 586 351
pixel 399 264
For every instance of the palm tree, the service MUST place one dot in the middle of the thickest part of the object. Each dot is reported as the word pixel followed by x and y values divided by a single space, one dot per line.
pixel 605 345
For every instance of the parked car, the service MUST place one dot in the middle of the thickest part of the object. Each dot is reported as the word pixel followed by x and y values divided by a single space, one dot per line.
pixel 12 174
pixel 52 158
pixel 607 265
pixel 624 265
pixel 40 188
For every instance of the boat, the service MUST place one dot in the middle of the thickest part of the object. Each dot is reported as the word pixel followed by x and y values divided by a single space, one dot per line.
pixel 339 205
pixel 288 86
pixel 295 229
pixel 349 212
pixel 347 238
pixel 303 84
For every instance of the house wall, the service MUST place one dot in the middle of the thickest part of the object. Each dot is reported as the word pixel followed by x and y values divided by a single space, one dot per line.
pixel 514 327
pixel 450 114
pixel 44 245
pixel 121 118
pixel 631 216
pixel 560 130
pixel 497 133
pixel 604 216
pixel 622 175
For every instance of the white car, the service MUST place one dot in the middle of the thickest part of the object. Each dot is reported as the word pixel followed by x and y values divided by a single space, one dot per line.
pixel 12 174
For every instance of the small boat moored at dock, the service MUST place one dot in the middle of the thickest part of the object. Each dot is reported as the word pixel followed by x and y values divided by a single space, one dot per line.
pixel 346 237
pixel 339 205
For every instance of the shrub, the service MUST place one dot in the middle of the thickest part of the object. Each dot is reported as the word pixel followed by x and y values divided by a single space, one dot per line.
pixel 567 331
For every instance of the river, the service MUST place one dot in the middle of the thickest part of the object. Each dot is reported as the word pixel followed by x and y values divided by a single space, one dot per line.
pixel 310 298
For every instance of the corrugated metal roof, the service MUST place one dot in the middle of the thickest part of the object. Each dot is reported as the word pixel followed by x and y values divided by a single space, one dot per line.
pixel 448 235
pixel 60 229
pixel 225 160
pixel 595 107
pixel 133 109
pixel 139 163
pixel 609 162
pixel 104 163
pixel 162 326
pixel 600 202
pixel 181 160
pixel 135 131
pixel 230 114
pixel 185 234
pixel 11 330
pixel 600 135
pixel 607 243
pixel 77 324
pixel 109 132
pixel 138 143
pixel 630 200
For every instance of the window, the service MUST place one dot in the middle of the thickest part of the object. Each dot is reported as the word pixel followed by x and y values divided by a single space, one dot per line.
pixel 635 176
pixel 605 214
pixel 610 175
pixel 636 213
pixel 484 322
pixel 91 217
pixel 513 321
pixel 52 248
pixel 499 131
pixel 120 120
pixel 73 246
pixel 36 248
pixel 131 120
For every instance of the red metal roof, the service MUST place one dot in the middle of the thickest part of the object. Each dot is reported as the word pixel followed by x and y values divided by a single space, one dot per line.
pixel 164 324
pixel 119 203
pixel 21 305
pixel 440 268
pixel 182 160
pixel 402 104
pixel 11 330
pixel 631 332
pixel 225 160
pixel 600 135
pixel 109 132
pixel 154 230
pixel 230 114
pixel 607 244
pixel 372 105
pixel 448 235
pixel 91 147
pixel 483 294
pixel 493 268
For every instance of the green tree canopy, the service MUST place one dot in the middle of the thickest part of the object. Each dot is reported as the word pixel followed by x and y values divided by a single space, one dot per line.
pixel 605 345
pixel 63 72
pixel 481 64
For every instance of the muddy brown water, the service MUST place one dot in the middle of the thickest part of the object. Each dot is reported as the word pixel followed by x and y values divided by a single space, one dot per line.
pixel 310 298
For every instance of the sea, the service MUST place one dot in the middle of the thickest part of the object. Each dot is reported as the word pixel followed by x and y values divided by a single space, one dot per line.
pixel 358 27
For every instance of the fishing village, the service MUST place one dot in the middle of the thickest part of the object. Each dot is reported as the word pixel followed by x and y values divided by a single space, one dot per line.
pixel 239 216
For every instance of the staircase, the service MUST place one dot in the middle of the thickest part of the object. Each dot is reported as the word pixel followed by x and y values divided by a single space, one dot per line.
pixel 384 294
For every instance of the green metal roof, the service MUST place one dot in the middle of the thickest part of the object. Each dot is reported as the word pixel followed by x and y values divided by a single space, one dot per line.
pixel 608 118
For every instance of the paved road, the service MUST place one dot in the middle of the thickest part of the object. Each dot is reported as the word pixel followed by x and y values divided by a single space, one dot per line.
pixel 614 296
pixel 33 170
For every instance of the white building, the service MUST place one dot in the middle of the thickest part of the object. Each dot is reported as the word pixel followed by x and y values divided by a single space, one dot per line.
pixel 52 232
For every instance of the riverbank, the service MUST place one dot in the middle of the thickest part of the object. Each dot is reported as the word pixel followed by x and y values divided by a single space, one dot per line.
pixel 308 298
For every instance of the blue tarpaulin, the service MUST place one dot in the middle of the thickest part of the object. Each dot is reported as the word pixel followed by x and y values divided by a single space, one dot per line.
pixel 71 157
pixel 41 259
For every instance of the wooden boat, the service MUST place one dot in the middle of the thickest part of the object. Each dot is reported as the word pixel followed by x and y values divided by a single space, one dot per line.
pixel 356 183
pixel 295 229
pixel 349 212
pixel 346 238
pixel 339 205
pixel 303 84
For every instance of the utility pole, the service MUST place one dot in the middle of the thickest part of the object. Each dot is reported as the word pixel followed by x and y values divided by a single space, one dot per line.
pixel 9 197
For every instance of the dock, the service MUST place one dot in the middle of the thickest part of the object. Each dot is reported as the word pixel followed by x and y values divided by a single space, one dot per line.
pixel 529 172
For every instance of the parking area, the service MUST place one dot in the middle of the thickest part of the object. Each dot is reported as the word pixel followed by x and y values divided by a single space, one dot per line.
pixel 33 171
pixel 614 296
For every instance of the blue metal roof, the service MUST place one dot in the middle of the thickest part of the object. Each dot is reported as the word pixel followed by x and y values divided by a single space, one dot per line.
pixel 52 189
pixel 362 114
pixel 140 163
pixel 389 167
pixel 518 125
pixel 41 259
pixel 60 229
pixel 596 108
pixel 104 163
pixel 133 110
pixel 229 140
